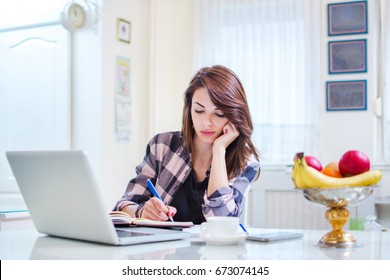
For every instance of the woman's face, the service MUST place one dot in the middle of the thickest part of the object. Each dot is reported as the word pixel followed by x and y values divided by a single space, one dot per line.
pixel 207 119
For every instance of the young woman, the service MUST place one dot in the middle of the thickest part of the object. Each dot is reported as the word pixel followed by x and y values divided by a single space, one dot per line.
pixel 204 170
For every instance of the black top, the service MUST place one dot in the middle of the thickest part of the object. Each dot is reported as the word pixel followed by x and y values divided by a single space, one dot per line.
pixel 189 199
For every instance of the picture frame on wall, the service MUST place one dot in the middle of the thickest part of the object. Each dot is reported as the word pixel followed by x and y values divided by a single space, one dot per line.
pixel 346 95
pixel 347 18
pixel 123 30
pixel 347 56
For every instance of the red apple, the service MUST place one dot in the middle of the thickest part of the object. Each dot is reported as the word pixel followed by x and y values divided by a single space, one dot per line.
pixel 313 162
pixel 353 163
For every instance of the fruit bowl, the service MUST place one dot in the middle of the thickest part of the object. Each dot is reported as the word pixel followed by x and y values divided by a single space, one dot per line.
pixel 337 199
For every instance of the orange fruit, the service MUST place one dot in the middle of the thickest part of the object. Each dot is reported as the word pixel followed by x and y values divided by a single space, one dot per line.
pixel 332 170
pixel 334 165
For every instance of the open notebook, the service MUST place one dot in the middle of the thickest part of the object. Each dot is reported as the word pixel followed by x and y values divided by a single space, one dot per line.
pixel 120 218
pixel 64 200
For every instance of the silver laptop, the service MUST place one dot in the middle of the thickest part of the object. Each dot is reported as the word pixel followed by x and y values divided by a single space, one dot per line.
pixel 63 198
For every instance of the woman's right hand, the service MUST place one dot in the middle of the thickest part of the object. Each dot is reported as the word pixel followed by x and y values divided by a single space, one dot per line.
pixel 229 134
pixel 155 209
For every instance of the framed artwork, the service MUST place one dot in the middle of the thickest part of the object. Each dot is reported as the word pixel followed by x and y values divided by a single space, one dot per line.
pixel 346 95
pixel 123 30
pixel 347 18
pixel 347 56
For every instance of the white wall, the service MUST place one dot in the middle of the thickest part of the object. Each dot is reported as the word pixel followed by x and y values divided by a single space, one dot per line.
pixel 160 55
pixel 86 93
pixel 347 130
pixel 171 61
pixel 118 160
pixel 353 130
pixel 95 53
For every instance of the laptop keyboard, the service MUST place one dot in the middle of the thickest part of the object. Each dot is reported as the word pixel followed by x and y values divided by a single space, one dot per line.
pixel 126 233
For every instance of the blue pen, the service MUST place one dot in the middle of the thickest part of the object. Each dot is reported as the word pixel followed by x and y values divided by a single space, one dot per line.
pixel 153 190
pixel 244 229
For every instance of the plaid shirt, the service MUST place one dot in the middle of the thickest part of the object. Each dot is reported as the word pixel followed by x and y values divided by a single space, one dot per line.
pixel 168 164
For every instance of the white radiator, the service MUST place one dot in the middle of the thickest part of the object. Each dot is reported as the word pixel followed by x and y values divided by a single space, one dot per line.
pixel 289 209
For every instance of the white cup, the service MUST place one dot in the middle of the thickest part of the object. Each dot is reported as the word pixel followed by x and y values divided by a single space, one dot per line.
pixel 220 226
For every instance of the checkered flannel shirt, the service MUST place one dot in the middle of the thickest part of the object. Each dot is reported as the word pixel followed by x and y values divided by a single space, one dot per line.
pixel 168 164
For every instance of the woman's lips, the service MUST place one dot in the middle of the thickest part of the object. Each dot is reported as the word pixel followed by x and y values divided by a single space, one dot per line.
pixel 207 133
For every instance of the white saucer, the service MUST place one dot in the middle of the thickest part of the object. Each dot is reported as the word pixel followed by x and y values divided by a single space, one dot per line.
pixel 228 240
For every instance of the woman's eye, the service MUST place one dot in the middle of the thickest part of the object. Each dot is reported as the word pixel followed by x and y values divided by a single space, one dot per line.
pixel 198 111
pixel 220 115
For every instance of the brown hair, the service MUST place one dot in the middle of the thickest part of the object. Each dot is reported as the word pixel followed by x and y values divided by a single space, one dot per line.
pixel 227 93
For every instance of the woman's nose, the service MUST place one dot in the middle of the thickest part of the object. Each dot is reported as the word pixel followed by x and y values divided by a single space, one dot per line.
pixel 207 121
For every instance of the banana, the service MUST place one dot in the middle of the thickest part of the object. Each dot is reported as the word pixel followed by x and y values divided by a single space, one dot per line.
pixel 306 176
pixel 296 175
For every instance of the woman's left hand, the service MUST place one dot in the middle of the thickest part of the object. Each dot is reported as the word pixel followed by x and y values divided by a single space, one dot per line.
pixel 229 134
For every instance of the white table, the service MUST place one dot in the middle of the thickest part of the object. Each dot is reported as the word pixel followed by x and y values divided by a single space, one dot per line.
pixel 29 244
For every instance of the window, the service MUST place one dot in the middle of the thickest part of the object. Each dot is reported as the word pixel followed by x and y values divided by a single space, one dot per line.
pixel 274 47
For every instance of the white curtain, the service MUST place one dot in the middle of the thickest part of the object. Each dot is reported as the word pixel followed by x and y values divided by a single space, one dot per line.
pixel 274 47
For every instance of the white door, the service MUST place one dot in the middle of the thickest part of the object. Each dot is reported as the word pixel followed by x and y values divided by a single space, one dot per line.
pixel 34 93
